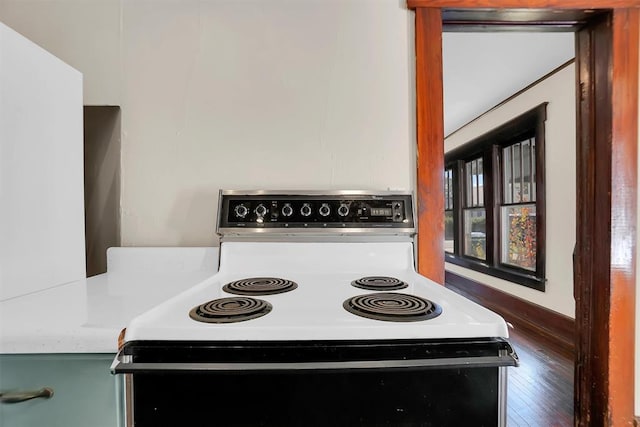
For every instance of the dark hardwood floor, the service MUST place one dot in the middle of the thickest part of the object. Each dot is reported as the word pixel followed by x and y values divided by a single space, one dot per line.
pixel 540 390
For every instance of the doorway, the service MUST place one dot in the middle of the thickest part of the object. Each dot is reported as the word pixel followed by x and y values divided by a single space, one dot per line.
pixel 101 184
pixel 492 80
pixel 604 259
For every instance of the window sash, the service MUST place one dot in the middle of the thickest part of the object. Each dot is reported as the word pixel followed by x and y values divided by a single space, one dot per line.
pixel 448 189
pixel 474 188
pixel 475 233
pixel 449 232
pixel 518 237
pixel 518 172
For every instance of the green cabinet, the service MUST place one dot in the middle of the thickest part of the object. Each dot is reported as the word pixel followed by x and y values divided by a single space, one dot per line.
pixel 84 391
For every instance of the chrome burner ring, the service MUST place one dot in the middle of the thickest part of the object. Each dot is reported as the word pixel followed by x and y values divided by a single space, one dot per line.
pixel 229 310
pixel 260 286
pixel 379 283
pixel 393 307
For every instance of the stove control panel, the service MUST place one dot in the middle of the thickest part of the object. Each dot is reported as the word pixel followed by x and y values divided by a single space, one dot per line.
pixel 343 210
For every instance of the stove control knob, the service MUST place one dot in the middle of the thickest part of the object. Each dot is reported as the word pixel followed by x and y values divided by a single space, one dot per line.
pixel 343 210
pixel 261 210
pixel 287 210
pixel 241 211
pixel 325 209
pixel 305 210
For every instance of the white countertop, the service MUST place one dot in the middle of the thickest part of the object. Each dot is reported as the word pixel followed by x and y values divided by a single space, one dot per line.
pixel 87 316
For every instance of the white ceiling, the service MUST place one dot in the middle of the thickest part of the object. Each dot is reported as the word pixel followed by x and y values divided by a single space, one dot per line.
pixel 483 69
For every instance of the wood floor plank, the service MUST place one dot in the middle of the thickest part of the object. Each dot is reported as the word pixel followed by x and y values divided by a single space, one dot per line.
pixel 540 390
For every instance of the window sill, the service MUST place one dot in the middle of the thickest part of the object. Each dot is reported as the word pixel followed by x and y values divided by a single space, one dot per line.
pixel 514 276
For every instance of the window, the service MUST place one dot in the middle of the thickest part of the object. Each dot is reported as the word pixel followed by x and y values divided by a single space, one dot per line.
pixel 518 208
pixel 494 201
pixel 475 216
pixel 448 211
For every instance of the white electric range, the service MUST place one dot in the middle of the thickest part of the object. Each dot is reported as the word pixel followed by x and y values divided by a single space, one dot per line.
pixel 316 299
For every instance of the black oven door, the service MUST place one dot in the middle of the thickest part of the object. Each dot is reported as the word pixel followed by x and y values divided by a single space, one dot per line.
pixel 341 383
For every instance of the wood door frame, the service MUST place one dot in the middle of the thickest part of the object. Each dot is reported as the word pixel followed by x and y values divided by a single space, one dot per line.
pixel 605 280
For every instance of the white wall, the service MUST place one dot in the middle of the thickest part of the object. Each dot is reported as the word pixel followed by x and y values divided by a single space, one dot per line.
pixel 560 141
pixel 216 94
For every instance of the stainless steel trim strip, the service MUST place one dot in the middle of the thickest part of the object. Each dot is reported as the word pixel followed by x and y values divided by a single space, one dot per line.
pixel 121 367
pixel 316 238
pixel 502 397
pixel 319 231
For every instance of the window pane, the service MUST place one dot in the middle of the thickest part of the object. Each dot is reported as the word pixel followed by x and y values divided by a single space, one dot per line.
pixel 526 171
pixel 448 189
pixel 448 231
pixel 519 236
pixel 475 237
pixel 506 179
pixel 533 169
pixel 479 184
pixel 517 175
pixel 474 183
pixel 468 187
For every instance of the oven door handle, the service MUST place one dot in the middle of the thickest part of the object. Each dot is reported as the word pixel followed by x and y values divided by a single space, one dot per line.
pixel 23 396
pixel 122 364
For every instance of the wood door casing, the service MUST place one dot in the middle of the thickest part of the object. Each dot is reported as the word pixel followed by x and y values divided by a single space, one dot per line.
pixel 430 137
pixel 607 189
pixel 624 169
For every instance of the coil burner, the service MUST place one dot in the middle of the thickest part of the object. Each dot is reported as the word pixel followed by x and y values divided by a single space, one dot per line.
pixel 230 310
pixel 260 286
pixel 392 307
pixel 379 283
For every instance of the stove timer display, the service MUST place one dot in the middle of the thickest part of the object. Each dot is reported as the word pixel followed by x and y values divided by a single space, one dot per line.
pixel 381 212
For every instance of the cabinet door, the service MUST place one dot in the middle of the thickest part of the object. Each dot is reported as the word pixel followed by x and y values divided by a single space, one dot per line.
pixel 41 169
pixel 84 391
